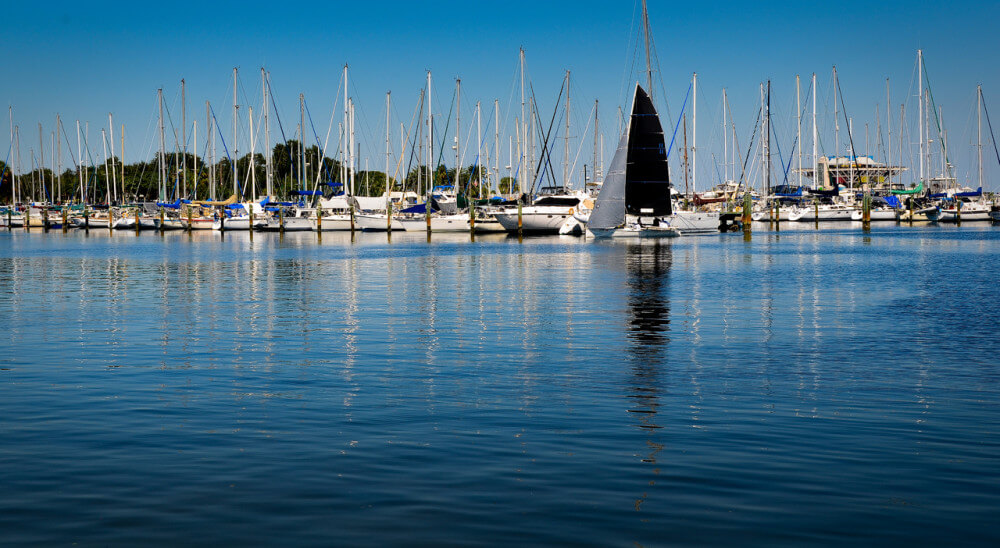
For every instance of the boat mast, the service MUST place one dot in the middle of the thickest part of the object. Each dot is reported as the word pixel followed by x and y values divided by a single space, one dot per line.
pixel 107 175
pixel 344 140
pixel 979 131
pixel 388 187
pixel 211 151
pixel 253 151
pixel 836 116
pixel 56 160
pixel 920 108
pixel 236 113
pixel 302 141
pixel 888 125
pixel 479 149
pixel 354 158
pixel 496 142
pixel 163 165
pixel 114 171
pixel 566 141
pixel 649 65
pixel 725 139
pixel 522 137
pixel 458 137
pixel 816 179
pixel 798 123
pixel 79 164
pixel 184 144
pixel 194 184
pixel 268 176
pixel 430 145
pixel 694 133
pixel 597 143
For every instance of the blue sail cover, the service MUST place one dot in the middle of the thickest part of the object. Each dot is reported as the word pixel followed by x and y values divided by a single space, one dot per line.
pixel 975 194
pixel 170 205
pixel 419 208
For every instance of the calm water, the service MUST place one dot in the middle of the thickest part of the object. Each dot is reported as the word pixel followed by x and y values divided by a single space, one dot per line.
pixel 808 387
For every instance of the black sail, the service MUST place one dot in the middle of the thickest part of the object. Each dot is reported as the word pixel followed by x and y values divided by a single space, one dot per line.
pixel 647 181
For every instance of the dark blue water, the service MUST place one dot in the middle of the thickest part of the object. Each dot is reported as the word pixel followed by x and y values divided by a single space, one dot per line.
pixel 807 387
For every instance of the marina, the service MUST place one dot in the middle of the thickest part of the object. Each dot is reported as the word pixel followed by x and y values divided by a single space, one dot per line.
pixel 452 275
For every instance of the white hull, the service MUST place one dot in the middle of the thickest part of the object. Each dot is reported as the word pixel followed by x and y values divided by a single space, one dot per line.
pixel 16 221
pixel 333 223
pixel 236 223
pixel 808 214
pixel 538 222
pixel 439 223
pixel 99 222
pixel 695 222
pixel 375 223
pixel 765 216
pixel 291 224
pixel 636 232
pixel 876 215
pixel 202 223
pixel 966 215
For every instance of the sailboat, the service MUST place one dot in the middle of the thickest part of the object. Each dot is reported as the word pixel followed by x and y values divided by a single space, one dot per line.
pixel 635 198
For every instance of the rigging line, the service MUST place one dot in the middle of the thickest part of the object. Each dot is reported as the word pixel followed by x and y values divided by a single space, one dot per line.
pixel 546 151
pixel 990 125
pixel 678 124
pixel 937 122
pixel 850 131
pixel 753 137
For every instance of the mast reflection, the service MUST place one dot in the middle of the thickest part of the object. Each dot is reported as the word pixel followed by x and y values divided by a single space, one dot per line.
pixel 648 279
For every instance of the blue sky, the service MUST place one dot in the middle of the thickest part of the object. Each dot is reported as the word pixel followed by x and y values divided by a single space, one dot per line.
pixel 85 60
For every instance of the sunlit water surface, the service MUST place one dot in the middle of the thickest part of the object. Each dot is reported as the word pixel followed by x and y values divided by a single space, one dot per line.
pixel 807 387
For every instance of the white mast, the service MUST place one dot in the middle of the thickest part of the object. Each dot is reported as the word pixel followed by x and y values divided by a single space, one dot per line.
pixel 387 185
pixel 107 176
pixel 268 176
pixel 496 142
pixel 566 140
pixel 114 172
pixel 798 122
pixel 236 113
pixel 694 133
pixel 920 108
pixel 522 137
pixel 836 116
pixel 354 158
pixel 458 134
pixel 253 150
pixel 816 180
pixel 430 142
pixel 57 160
pixel 597 141
pixel 302 141
pixel 888 125
pixel 725 140
pixel 183 140
pixel 344 139
pixel 194 185
pixel 79 163
pixel 479 149
pixel 979 130
pixel 163 165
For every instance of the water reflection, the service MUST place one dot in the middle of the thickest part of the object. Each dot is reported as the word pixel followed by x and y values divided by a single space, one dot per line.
pixel 647 281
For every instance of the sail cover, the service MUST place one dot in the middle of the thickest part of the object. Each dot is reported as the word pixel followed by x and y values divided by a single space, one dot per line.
pixel 637 181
